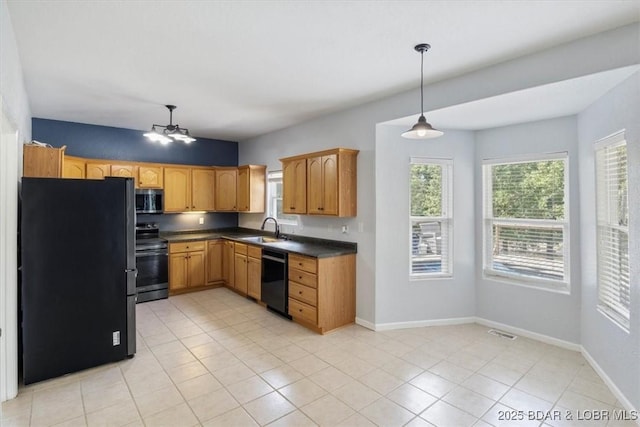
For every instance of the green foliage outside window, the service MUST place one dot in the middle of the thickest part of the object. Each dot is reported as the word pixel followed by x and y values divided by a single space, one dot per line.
pixel 426 190
pixel 532 190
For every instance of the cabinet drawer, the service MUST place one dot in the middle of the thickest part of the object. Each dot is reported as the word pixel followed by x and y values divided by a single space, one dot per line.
pixel 241 248
pixel 302 311
pixel 186 246
pixel 254 252
pixel 302 263
pixel 303 277
pixel 303 293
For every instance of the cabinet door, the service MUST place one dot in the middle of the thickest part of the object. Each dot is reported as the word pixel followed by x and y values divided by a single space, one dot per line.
pixel 98 170
pixel 202 186
pixel 125 171
pixel 214 261
pixel 254 279
pixel 73 168
pixel 150 176
pixel 177 189
pixel 178 274
pixel 241 273
pixel 315 192
pixel 330 185
pixel 228 261
pixel 196 268
pixel 242 190
pixel 225 194
pixel 294 186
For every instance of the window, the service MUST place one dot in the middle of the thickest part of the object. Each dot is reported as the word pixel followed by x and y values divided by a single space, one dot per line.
pixel 430 217
pixel 612 216
pixel 526 230
pixel 274 198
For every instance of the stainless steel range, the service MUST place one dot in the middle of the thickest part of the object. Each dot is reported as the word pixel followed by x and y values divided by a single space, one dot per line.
pixel 152 262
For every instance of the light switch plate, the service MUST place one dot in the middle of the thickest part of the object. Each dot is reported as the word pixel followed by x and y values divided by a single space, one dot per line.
pixel 116 338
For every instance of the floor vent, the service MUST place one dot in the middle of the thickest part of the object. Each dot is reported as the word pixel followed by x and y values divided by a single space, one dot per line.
pixel 502 334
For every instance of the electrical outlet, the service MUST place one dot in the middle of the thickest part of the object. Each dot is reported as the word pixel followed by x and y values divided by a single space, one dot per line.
pixel 345 229
pixel 116 338
pixel 361 227
pixel 201 220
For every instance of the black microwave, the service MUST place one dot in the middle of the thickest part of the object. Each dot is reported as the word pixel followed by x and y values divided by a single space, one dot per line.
pixel 149 201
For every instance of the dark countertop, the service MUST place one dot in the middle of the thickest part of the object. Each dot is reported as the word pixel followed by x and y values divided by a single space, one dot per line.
pixel 308 246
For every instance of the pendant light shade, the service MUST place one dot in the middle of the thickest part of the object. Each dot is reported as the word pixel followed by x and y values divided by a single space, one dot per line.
pixel 170 132
pixel 422 129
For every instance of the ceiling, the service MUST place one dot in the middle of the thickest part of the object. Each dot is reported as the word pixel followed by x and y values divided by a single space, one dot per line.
pixel 238 69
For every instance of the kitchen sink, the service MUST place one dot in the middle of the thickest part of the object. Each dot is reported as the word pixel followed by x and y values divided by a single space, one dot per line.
pixel 262 239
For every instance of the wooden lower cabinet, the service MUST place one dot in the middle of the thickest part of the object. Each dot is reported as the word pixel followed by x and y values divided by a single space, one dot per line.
pixel 322 294
pixel 228 259
pixel 187 266
pixel 254 272
pixel 214 261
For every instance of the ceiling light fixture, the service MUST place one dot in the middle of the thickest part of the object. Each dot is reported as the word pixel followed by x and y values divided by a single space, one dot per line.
pixel 164 134
pixel 422 129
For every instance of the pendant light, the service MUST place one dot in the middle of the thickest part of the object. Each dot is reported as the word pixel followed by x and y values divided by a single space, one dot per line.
pixel 422 129
pixel 170 132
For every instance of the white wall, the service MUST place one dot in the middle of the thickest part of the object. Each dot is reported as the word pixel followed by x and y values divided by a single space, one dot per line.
pixel 398 299
pixel 549 313
pixel 617 352
pixel 14 129
pixel 349 130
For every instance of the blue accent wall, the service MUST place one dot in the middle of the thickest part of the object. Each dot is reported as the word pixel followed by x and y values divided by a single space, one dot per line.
pixel 104 142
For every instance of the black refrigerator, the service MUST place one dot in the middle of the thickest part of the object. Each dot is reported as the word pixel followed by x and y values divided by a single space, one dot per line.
pixel 78 289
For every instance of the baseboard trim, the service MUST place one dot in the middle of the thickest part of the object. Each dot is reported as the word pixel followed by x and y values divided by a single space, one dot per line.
pixel 533 335
pixel 365 324
pixel 612 386
pixel 414 324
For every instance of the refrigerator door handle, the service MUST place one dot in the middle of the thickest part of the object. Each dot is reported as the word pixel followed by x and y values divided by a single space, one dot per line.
pixel 131 274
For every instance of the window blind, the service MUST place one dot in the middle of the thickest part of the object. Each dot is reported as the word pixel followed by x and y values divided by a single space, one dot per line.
pixel 525 228
pixel 612 216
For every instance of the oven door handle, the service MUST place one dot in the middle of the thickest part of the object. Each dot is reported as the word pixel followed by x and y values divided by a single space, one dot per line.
pixel 150 253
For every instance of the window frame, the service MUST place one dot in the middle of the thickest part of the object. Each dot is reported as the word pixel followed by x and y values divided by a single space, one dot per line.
pixel 622 320
pixel 445 219
pixel 488 221
pixel 273 177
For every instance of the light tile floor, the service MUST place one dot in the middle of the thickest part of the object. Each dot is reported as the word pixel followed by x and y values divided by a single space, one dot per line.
pixel 214 358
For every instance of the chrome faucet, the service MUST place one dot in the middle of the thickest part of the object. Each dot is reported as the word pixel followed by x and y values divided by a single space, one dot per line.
pixel 275 222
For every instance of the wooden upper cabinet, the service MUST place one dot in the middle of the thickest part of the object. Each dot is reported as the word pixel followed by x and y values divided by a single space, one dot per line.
pixel 125 171
pixel 202 189
pixel 73 167
pixel 150 176
pixel 42 162
pixel 250 192
pixel 97 170
pixel 331 182
pixel 294 186
pixel 225 192
pixel 177 189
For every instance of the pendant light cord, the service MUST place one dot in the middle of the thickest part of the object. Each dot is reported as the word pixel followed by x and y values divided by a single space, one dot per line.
pixel 421 83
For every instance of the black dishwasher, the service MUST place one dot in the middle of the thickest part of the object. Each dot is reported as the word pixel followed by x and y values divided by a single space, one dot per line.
pixel 275 286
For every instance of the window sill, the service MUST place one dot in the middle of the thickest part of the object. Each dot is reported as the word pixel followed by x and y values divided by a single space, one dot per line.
pixel 429 277
pixel 563 288
pixel 615 319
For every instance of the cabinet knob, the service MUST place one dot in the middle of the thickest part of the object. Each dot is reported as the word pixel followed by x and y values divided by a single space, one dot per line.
pixel 299 277
pixel 292 208
pixel 300 292
pixel 193 207
pixel 300 310
pixel 300 264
